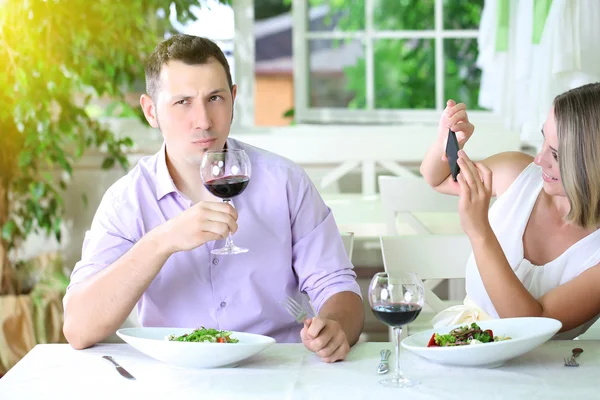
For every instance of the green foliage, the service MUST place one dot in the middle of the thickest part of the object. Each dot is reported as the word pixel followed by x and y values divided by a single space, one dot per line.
pixel 270 8
pixel 57 58
pixel 405 69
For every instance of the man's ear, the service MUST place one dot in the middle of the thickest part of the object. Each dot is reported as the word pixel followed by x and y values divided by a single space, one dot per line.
pixel 233 94
pixel 149 110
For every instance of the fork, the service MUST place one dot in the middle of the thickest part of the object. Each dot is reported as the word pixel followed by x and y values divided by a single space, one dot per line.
pixel 295 309
pixel 570 361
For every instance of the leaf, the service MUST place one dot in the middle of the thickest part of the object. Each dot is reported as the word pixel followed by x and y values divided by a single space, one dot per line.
pixel 7 230
pixel 24 158
pixel 127 141
pixel 37 190
pixel 108 163
pixel 289 113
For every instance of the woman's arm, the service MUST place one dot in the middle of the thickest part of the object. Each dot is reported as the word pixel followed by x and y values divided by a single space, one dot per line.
pixel 572 303
pixel 436 171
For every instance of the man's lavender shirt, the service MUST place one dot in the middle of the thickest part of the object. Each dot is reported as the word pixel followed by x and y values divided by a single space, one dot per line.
pixel 294 244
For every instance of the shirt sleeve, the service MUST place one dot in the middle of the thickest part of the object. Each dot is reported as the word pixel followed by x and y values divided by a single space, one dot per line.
pixel 318 254
pixel 107 239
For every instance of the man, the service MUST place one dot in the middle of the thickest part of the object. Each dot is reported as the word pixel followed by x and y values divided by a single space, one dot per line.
pixel 151 239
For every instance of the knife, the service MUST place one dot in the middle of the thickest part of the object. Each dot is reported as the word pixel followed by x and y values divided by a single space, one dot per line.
pixel 120 369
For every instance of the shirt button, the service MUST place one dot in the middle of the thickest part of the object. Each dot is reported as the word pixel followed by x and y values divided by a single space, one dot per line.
pixel 215 261
pixel 223 304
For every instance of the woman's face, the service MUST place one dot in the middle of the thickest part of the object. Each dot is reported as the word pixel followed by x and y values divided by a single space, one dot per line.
pixel 547 158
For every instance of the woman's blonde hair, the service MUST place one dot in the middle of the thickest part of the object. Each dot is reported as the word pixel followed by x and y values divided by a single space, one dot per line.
pixel 577 114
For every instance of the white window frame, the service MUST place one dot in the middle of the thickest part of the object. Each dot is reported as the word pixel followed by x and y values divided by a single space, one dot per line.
pixel 304 113
pixel 244 51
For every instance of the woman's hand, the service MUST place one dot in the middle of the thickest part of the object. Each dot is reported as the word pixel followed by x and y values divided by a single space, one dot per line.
pixel 475 182
pixel 455 118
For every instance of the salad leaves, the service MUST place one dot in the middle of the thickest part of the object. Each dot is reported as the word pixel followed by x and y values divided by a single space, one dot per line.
pixel 464 335
pixel 205 335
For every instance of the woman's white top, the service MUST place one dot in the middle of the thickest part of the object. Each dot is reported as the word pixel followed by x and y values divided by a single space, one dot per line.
pixel 508 218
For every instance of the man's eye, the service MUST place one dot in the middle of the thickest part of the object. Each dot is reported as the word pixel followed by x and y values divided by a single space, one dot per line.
pixel 215 97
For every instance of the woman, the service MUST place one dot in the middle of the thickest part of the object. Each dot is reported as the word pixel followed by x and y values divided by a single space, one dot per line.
pixel 537 252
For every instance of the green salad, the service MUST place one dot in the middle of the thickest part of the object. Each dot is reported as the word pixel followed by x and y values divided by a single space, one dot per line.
pixel 465 335
pixel 205 335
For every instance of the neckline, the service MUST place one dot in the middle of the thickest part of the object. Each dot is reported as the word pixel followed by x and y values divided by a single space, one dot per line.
pixel 524 227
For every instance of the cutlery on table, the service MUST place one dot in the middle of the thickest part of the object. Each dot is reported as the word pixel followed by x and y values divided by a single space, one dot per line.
pixel 383 366
pixel 570 361
pixel 120 369
pixel 295 309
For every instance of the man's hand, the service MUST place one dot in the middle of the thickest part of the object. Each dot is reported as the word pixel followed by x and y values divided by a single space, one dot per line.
pixel 201 223
pixel 326 338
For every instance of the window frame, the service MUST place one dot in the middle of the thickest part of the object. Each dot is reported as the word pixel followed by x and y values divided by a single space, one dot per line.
pixel 301 36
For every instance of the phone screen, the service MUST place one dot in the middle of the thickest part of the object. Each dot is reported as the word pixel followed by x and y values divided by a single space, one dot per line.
pixel 452 154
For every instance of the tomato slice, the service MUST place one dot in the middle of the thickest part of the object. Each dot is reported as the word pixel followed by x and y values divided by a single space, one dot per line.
pixel 220 340
pixel 432 342
pixel 490 333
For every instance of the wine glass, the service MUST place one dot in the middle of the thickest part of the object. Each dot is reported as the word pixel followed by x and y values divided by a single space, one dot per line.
pixel 396 300
pixel 226 174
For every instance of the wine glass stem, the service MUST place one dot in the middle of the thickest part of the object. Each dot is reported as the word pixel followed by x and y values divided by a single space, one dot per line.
pixel 229 241
pixel 397 373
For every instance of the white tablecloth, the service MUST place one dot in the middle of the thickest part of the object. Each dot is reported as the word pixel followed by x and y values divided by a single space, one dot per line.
pixel 288 371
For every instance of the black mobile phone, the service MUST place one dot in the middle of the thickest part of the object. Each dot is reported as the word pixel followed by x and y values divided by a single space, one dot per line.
pixel 452 154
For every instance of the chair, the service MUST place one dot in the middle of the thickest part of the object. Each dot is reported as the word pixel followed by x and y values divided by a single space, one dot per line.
pixel 412 207
pixel 431 257
pixel 407 196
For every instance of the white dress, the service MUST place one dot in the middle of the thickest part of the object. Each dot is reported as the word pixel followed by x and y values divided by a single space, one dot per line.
pixel 508 218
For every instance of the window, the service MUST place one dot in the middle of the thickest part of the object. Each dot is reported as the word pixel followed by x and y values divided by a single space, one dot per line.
pixel 384 61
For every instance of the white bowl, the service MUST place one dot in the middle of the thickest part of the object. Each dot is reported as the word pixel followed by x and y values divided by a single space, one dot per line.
pixel 526 333
pixel 151 341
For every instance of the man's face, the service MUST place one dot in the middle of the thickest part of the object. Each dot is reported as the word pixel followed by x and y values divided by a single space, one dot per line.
pixel 193 108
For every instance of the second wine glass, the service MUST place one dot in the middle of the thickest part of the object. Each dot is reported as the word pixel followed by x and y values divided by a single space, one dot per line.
pixel 226 174
pixel 396 300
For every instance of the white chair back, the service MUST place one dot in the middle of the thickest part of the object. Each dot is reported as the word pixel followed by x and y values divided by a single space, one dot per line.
pixel 429 256
pixel 405 196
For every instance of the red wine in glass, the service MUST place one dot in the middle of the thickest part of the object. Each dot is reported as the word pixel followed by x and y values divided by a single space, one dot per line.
pixel 226 174
pixel 396 299
pixel 227 187
pixel 397 314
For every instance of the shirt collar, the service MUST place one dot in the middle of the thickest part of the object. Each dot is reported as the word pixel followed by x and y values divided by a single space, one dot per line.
pixel 164 182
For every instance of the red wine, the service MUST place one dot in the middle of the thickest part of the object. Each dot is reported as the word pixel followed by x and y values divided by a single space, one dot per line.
pixel 227 187
pixel 397 314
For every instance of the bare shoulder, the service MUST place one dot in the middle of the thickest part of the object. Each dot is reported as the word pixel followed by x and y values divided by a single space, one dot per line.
pixel 506 167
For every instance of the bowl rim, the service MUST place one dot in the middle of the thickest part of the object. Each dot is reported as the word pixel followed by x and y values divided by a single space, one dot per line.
pixel 264 339
pixel 406 342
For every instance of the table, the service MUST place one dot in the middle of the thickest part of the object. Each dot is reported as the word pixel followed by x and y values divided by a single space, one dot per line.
pixel 288 371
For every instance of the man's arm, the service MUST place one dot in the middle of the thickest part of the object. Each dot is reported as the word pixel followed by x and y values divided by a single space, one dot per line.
pixel 96 306
pixel 337 327
pixel 326 274
pixel 345 308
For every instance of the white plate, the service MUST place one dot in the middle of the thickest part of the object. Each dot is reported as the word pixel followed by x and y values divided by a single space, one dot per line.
pixel 151 341
pixel 526 333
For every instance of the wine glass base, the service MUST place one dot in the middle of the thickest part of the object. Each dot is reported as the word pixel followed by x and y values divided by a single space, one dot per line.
pixel 224 251
pixel 398 383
